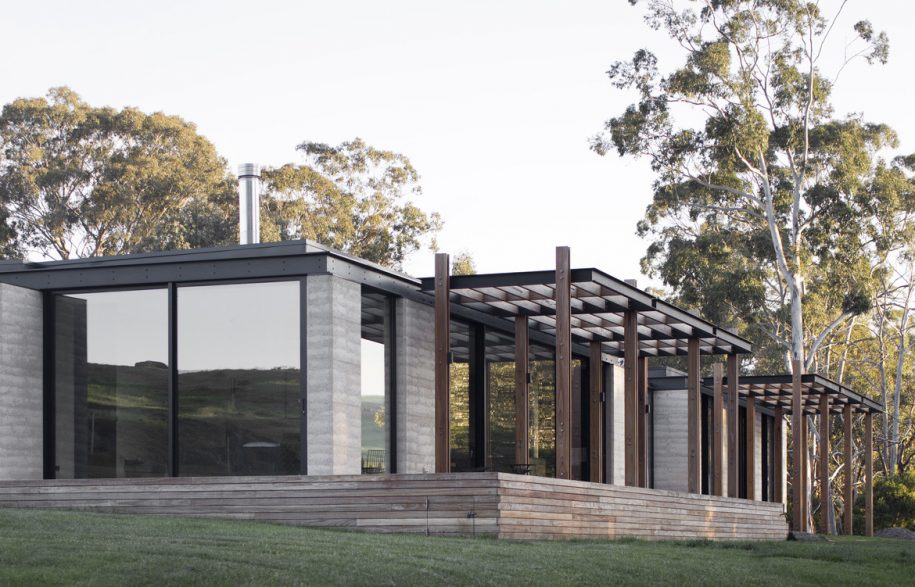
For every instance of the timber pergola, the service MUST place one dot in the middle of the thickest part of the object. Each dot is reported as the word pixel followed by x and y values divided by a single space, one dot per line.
pixel 802 395
pixel 612 319
pixel 808 395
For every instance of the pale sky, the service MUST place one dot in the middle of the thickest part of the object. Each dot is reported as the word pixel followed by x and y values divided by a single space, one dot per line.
pixel 492 101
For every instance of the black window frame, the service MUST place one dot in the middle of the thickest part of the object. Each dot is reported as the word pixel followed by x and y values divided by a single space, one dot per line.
pixel 49 376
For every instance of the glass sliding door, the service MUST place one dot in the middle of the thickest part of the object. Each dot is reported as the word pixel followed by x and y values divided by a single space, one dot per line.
pixel 239 410
pixel 376 395
pixel 111 384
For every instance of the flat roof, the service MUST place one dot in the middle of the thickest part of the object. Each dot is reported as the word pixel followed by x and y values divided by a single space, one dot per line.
pixel 599 301
pixel 278 260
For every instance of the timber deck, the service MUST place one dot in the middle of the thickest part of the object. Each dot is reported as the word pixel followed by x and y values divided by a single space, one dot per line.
pixel 451 504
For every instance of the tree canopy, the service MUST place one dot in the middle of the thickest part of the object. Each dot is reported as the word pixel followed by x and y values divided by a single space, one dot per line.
pixel 78 180
pixel 764 198
pixel 352 197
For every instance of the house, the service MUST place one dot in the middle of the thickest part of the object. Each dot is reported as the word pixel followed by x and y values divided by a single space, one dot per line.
pixel 291 382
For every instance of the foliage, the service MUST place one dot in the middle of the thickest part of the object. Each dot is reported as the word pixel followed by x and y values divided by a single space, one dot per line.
pixel 352 197
pixel 771 213
pixel 463 264
pixel 894 502
pixel 78 180
pixel 763 198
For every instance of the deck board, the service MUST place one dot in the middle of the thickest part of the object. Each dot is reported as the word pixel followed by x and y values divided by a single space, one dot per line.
pixel 451 504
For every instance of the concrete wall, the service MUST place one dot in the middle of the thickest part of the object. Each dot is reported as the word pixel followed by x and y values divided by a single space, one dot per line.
pixel 670 451
pixel 334 359
pixel 21 384
pixel 415 387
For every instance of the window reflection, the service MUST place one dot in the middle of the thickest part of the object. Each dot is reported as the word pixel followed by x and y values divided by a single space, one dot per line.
pixel 238 379
pixel 542 416
pixel 111 384
pixel 376 366
pixel 460 380
pixel 500 385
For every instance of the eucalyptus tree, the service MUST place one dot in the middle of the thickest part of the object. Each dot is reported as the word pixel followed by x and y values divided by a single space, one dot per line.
pixel 763 199
pixel 760 201
pixel 352 197
pixel 78 180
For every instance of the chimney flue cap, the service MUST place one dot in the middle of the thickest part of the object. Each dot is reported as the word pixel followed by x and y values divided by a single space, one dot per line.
pixel 249 170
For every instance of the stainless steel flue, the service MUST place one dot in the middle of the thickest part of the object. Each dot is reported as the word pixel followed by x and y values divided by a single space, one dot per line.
pixel 249 204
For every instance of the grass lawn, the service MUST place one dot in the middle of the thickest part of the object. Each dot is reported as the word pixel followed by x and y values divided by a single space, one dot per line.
pixel 72 548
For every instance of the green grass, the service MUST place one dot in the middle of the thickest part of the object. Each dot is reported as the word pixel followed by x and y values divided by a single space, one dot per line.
pixel 75 548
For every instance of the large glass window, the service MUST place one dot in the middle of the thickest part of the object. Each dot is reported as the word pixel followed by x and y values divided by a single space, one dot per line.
pixel 500 386
pixel 239 408
pixel 462 458
pixel 542 415
pixel 111 384
pixel 376 383
pixel 579 416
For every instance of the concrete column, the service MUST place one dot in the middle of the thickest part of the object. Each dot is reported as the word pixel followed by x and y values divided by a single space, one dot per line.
pixel 334 358
pixel 21 383
pixel 415 395
pixel 671 447
pixel 615 438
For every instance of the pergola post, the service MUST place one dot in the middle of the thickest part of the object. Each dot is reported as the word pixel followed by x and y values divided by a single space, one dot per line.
pixel 868 474
pixel 779 466
pixel 848 526
pixel 596 412
pixel 694 405
pixel 641 423
pixel 563 364
pixel 751 447
pixel 805 469
pixel 797 449
pixel 733 427
pixel 718 442
pixel 442 351
pixel 825 502
pixel 522 387
pixel 630 393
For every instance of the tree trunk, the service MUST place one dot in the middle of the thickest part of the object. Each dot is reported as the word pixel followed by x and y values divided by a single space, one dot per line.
pixel 797 320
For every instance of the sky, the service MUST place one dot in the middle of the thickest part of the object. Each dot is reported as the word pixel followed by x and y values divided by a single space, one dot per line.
pixel 493 102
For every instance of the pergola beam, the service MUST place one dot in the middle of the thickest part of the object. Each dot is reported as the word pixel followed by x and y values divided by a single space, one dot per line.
pixel 442 351
pixel 733 426
pixel 825 501
pixel 563 364
pixel 694 405
pixel 522 392
pixel 630 393
pixel 778 479
pixel 751 448
pixel 797 449
pixel 596 430
pixel 848 525
pixel 868 474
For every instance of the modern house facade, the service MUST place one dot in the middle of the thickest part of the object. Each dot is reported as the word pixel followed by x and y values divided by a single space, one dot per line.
pixel 271 379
